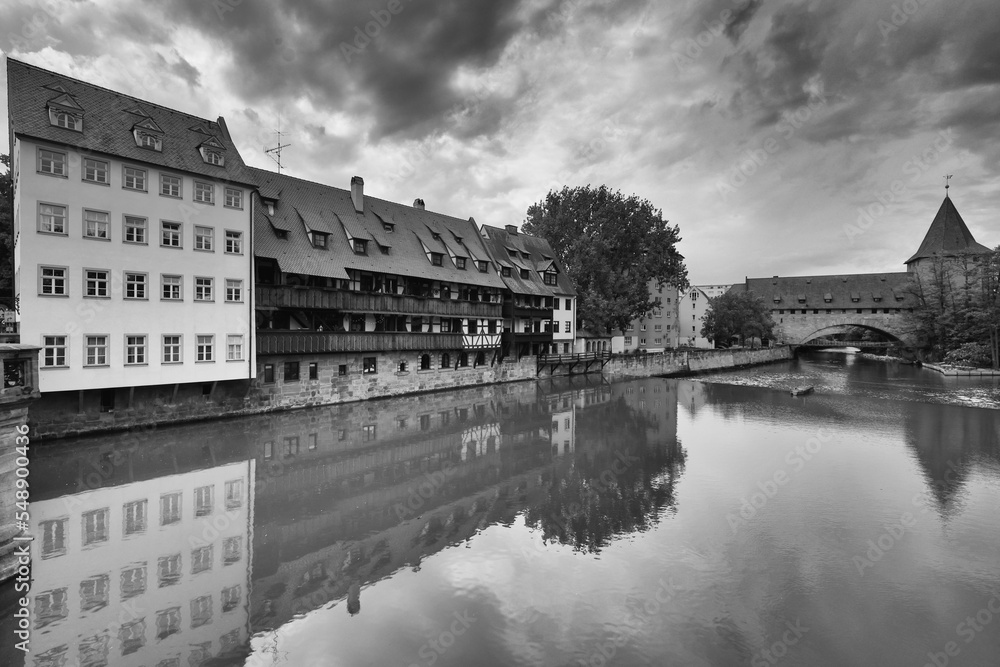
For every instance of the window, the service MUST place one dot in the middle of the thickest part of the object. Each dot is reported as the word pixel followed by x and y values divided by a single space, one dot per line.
pixel 550 278
pixel 168 622
pixel 201 559
pixel 204 239
pixel 234 347
pixel 133 581
pixel 51 162
pixel 425 362
pixel 628 340
pixel 214 157
pixel 135 229
pixel 360 246
pixel 342 370
pixel 482 265
pixel 65 120
pixel 54 354
pixel 268 373
pixel 170 508
pixel 134 517
pixel 525 274
pixel 234 243
pixel 230 598
pixel 505 271
pixel 170 186
pixel 313 370
pixel 171 288
pixel 135 350
pixel 135 285
pixel 402 367
pixel 150 141
pixel 291 371
pixel 232 550
pixel 463 359
pixel 133 178
pixel 204 289
pixel 96 282
pixel 52 218
pixel 95 171
pixel 555 326
pixel 171 349
pixel 568 329
pixel 201 612
pixel 204 500
pixel 437 259
pixel 369 365
pixel 95 526
pixel 460 262
pixel 170 234
pixel 50 606
pixel 445 360
pixel 234 198
pixel 204 192
pixel 96 349
pixel 169 570
pixel 205 345
pixel 369 433
pixel 53 537
pixel 95 225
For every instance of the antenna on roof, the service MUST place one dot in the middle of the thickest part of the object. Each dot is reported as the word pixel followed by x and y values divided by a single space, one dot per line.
pixel 275 152
pixel 947 183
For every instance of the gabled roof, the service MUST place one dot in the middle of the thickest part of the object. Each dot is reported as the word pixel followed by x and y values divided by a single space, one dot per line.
pixel 108 120
pixel 948 236
pixel 872 290
pixel 303 203
pixel 499 240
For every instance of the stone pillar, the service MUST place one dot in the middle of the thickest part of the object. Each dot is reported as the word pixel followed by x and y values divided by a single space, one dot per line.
pixel 20 388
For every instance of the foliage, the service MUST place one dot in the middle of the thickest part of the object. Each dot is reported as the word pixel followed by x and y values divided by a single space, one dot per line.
pixel 611 246
pixel 735 314
pixel 970 354
pixel 6 232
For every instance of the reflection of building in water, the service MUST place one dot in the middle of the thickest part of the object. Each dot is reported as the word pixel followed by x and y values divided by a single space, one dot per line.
pixel 144 569
pixel 383 485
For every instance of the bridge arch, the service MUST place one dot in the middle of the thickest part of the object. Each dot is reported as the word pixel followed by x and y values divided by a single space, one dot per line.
pixel 809 328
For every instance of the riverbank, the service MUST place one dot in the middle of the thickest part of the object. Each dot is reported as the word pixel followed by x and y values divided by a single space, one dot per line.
pixel 52 419
pixel 962 371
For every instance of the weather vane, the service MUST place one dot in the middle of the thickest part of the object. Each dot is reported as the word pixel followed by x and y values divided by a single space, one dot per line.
pixel 947 183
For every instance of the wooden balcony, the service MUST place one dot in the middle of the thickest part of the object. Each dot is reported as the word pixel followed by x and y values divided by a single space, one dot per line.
pixel 319 342
pixel 305 298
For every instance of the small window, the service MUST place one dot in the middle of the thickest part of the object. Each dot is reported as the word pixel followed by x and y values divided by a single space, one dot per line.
pixel 313 374
pixel 147 140
pixel 425 362
pixel 171 288
pixel 437 258
pixel 95 171
pixel 95 283
pixel 268 373
pixel 525 274
pixel 51 162
pixel 65 120
pixel 204 289
pixel 204 239
pixel 360 246
pixel 95 351
pixel 214 157
pixel 460 262
pixel 342 370
pixel 51 219
pixel 135 229
pixel 204 193
pixel 135 350
pixel 369 365
pixel 445 360
pixel 402 367
pixel 389 227
pixel 206 348
pixel 171 349
pixel 234 198
pixel 550 278
pixel 291 371
pixel 170 234
pixel 134 178
pixel 95 225
pixel 52 281
pixel 54 352
pixel 505 272
pixel 483 266
pixel 234 290
pixel 234 347
pixel 319 240
pixel 234 243
pixel 170 186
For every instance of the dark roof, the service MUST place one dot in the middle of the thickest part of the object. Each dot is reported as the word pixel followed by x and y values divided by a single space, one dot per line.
pixel 108 120
pixel 840 291
pixel 948 236
pixel 303 205
pixel 540 257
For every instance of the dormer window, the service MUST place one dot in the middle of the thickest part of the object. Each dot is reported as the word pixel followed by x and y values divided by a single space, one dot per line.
pixel 389 227
pixel 437 258
pixel 483 266
pixel 460 262
pixel 213 157
pixel 437 237
pixel 147 140
pixel 281 234
pixel 319 241
pixel 525 255
pixel 360 246
pixel 66 120
pixel 550 278
pixel 505 271
pixel 384 249
pixel 525 274
pixel 512 253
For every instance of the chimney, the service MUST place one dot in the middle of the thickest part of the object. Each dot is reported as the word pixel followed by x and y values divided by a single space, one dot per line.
pixel 512 230
pixel 418 203
pixel 358 193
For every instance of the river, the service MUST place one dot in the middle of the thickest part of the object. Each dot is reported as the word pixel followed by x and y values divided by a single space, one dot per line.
pixel 707 521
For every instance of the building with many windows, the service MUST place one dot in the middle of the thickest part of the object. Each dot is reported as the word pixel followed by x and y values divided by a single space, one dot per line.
pixel 691 309
pixel 132 260
pixel 656 332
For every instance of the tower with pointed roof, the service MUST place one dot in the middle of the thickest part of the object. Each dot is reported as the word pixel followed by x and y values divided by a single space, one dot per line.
pixel 948 243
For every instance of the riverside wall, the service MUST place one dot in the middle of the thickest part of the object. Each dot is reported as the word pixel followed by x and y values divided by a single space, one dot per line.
pixel 673 362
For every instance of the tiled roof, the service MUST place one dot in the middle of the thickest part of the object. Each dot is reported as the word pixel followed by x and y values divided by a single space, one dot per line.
pixel 948 236
pixel 838 291
pixel 301 204
pixel 541 256
pixel 108 120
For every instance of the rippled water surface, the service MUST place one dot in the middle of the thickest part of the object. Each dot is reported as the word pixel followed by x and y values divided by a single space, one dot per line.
pixel 713 521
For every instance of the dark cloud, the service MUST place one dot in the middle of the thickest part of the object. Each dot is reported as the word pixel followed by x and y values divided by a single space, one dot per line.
pixel 742 16
pixel 184 70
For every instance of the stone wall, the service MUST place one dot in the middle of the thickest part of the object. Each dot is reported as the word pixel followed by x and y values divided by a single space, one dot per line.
pixel 673 362
pixel 715 359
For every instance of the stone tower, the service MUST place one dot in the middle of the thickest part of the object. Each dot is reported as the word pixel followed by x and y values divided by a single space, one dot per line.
pixel 948 250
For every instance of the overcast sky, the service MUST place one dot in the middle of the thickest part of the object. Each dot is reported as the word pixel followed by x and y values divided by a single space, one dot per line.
pixel 761 128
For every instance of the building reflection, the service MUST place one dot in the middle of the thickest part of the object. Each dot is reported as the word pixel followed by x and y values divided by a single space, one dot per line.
pixel 322 503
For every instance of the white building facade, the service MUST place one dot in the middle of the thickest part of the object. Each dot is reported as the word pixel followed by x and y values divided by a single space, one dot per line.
pixel 691 309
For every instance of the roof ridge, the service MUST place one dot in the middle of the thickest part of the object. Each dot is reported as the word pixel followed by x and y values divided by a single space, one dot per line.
pixel 108 90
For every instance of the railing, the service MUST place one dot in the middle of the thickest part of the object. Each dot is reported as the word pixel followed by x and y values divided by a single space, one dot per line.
pixel 582 356
pixel 847 343
pixel 318 342
pixel 290 296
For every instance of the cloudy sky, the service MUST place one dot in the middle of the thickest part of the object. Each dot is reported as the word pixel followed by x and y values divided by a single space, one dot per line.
pixel 783 137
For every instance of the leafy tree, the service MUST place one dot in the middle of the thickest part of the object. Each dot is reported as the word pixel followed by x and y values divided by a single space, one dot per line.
pixel 737 314
pixel 6 232
pixel 611 246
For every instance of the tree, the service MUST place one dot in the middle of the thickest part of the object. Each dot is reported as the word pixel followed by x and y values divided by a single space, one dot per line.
pixel 737 313
pixel 6 232
pixel 611 246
